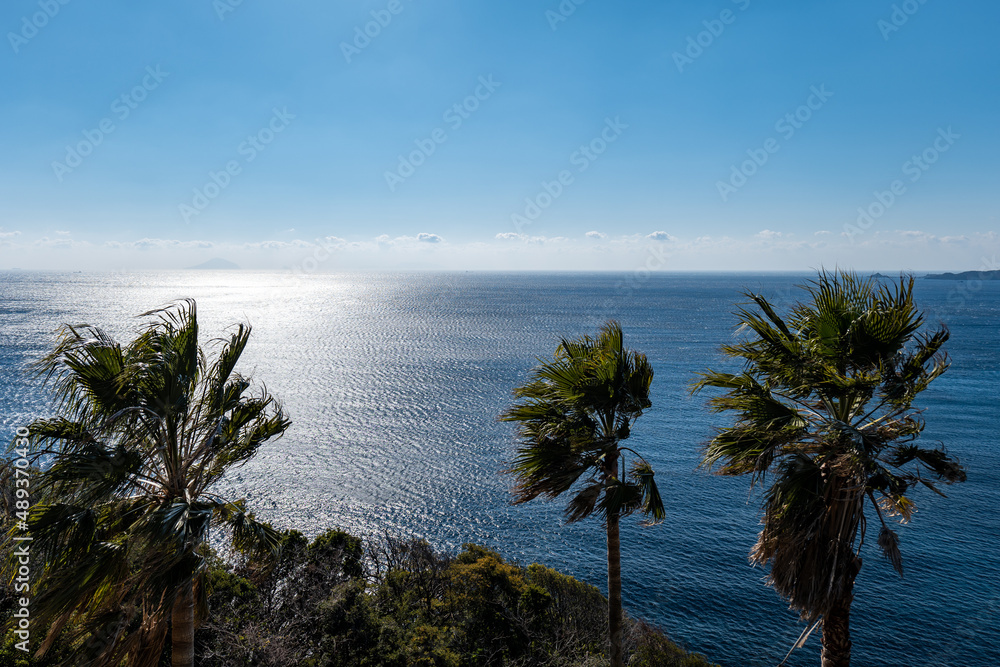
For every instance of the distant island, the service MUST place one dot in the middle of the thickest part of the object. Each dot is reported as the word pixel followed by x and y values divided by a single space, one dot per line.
pixel 216 263
pixel 965 275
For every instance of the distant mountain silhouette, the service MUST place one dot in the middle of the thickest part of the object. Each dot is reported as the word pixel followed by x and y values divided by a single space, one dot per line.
pixel 965 275
pixel 215 263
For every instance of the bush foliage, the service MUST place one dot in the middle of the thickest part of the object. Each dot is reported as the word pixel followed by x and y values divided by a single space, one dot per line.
pixel 333 602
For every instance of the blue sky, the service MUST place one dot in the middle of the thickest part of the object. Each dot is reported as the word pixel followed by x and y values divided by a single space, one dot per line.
pixel 695 135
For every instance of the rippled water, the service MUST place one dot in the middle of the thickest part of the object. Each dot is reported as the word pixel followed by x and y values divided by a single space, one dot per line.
pixel 394 381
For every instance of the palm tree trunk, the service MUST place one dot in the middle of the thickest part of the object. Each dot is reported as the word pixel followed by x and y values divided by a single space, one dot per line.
pixel 182 628
pixel 837 625
pixel 614 591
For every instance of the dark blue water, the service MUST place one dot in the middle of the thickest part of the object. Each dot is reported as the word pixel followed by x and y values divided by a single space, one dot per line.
pixel 394 382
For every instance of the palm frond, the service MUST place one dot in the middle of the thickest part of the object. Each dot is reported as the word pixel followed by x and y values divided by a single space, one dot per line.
pixel 651 503
pixel 824 407
pixel 251 536
pixel 888 542
pixel 124 505
pixel 571 416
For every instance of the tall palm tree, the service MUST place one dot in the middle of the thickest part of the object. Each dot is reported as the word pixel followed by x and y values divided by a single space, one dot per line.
pixel 824 404
pixel 572 416
pixel 124 500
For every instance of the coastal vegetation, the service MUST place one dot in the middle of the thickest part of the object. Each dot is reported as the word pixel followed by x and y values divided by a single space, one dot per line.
pixel 337 601
pixel 825 419
pixel 124 505
pixel 136 560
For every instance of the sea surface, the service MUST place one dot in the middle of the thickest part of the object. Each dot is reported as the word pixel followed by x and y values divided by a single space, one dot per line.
pixel 394 382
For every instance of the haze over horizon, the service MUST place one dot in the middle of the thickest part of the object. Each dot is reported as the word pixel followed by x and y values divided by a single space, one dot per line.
pixel 573 135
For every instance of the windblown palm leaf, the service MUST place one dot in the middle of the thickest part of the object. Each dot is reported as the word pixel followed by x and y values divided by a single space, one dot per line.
pixel 572 416
pixel 824 405
pixel 125 501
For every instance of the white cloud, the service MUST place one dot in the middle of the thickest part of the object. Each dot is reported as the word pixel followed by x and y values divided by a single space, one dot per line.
pixel 278 245
pixel 545 240
pixel 145 244
pixel 62 243
pixel 61 233
pixel 881 250
pixel 661 236
pixel 534 240
pixel 385 241
pixel 596 235
pixel 157 244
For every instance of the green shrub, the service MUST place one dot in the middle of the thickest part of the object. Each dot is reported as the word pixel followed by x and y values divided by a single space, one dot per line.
pixel 328 603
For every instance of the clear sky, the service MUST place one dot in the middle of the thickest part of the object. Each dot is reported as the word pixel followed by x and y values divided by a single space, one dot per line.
pixel 586 134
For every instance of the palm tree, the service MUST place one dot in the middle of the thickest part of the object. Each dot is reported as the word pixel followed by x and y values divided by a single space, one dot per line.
pixel 572 416
pixel 125 501
pixel 824 404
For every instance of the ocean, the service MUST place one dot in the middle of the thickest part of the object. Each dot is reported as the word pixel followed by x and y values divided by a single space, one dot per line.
pixel 394 381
